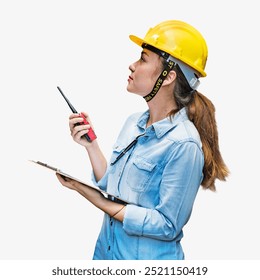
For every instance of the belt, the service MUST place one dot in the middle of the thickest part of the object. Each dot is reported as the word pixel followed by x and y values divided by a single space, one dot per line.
pixel 112 198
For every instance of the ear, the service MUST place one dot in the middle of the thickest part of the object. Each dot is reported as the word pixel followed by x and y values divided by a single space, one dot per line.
pixel 171 77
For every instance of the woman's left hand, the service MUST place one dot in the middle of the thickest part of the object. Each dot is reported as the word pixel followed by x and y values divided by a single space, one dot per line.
pixel 90 193
pixel 94 196
pixel 66 182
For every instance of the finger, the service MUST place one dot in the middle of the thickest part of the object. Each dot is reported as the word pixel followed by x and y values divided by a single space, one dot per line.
pixel 74 115
pixel 79 136
pixel 65 181
pixel 75 121
pixel 85 114
pixel 82 133
pixel 61 179
pixel 78 129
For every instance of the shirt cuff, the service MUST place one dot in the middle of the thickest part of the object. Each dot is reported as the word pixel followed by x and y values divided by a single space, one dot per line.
pixel 134 218
pixel 102 183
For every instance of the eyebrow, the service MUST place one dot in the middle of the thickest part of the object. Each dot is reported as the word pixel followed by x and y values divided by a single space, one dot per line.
pixel 144 52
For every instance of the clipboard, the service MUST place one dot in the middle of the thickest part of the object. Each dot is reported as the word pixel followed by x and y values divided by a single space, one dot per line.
pixel 57 170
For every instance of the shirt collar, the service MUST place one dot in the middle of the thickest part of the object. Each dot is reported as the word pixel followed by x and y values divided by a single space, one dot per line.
pixel 163 126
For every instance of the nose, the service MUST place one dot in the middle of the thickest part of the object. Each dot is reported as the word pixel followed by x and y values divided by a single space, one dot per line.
pixel 131 67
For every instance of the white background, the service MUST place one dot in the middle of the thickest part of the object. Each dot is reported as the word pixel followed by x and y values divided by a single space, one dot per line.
pixel 83 47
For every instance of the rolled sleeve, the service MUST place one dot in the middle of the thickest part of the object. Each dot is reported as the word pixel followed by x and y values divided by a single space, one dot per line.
pixel 102 183
pixel 134 219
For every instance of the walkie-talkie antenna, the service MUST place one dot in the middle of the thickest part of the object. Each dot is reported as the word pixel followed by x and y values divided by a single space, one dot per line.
pixel 67 100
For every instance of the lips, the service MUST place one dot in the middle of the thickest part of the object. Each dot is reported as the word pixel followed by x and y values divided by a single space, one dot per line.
pixel 130 78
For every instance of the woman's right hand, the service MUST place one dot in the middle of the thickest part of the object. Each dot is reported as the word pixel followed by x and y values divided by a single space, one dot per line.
pixel 78 130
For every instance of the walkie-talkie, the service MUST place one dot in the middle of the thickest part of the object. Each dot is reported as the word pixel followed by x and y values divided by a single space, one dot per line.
pixel 90 136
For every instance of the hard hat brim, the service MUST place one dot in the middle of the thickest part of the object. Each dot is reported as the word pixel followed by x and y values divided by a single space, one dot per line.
pixel 137 40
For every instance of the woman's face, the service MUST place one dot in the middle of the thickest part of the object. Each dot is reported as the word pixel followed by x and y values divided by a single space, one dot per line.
pixel 144 73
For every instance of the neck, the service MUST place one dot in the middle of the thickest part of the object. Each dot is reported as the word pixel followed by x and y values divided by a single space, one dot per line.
pixel 159 108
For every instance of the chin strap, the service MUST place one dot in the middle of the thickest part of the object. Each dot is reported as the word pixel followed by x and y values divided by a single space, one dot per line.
pixel 159 81
pixel 170 64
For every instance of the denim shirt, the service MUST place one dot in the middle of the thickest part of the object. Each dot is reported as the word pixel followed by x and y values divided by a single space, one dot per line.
pixel 160 177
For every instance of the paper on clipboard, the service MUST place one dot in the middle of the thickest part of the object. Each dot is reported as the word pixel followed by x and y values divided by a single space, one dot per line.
pixel 57 170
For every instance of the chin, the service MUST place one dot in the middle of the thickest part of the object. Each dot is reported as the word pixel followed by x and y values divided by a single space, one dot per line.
pixel 134 92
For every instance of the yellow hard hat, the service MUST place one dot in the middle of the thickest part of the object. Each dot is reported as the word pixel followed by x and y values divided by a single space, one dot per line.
pixel 180 40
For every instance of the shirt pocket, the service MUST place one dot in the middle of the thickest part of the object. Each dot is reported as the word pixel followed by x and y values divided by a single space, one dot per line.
pixel 140 173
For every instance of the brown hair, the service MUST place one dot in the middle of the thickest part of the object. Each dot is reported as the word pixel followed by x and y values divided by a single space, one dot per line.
pixel 201 112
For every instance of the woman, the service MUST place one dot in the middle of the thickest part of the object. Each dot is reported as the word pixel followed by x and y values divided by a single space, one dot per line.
pixel 161 156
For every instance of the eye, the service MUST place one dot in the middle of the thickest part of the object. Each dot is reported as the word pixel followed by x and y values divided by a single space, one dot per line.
pixel 142 58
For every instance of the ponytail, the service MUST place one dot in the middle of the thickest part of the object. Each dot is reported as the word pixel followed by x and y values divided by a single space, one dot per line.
pixel 201 112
